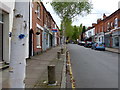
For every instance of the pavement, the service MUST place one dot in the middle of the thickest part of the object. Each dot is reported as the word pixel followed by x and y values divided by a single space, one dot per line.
pixel 115 50
pixel 37 73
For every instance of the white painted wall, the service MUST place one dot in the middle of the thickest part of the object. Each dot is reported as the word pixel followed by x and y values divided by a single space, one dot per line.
pixel 8 22
pixel 92 32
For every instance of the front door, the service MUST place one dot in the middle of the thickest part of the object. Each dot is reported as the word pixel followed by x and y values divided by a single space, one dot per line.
pixel 1 41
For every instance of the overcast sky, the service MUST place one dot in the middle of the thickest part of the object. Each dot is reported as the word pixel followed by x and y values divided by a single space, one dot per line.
pixel 99 7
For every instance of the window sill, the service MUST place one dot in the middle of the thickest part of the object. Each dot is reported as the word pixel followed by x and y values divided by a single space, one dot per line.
pixel 38 18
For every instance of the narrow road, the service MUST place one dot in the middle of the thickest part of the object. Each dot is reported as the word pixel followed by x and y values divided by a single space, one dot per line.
pixel 92 68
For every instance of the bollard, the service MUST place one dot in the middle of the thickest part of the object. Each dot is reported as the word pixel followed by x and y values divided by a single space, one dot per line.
pixel 58 55
pixel 61 50
pixel 51 74
pixel 67 55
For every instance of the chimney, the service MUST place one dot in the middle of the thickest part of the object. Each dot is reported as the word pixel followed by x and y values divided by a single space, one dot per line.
pixel 104 16
pixel 93 24
pixel 98 20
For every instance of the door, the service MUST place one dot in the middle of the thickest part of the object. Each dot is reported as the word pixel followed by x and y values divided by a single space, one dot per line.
pixel 30 43
pixel 1 41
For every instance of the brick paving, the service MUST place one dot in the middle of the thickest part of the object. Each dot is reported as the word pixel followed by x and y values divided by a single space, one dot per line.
pixel 36 69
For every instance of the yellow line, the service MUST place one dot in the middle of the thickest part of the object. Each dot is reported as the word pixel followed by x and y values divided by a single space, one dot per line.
pixel 71 74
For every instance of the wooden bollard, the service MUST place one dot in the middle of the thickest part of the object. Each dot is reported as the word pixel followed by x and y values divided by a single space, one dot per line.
pixel 61 50
pixel 51 74
pixel 58 55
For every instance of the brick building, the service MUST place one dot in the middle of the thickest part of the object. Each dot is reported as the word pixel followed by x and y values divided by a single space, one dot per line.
pixel 108 30
pixel 41 35
pixel 37 26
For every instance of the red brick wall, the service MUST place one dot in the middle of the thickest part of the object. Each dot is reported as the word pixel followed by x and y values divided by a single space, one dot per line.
pixel 39 21
pixel 111 19
pixel 104 23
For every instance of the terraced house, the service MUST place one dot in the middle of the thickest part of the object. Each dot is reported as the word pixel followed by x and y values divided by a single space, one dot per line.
pixel 41 35
pixel 108 30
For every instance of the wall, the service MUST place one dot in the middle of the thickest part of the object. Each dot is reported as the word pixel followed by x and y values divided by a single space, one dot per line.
pixel 7 7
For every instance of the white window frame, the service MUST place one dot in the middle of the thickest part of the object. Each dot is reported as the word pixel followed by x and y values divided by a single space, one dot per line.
pixel 38 11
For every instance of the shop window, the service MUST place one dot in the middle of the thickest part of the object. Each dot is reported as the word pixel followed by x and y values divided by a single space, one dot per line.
pixel 1 18
pixel 46 39
pixel 116 41
pixel 99 39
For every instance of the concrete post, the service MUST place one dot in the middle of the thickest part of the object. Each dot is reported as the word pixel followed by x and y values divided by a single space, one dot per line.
pixel 51 74
pixel 58 55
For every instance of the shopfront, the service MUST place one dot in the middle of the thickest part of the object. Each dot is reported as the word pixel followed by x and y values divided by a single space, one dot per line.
pixel 1 36
pixel 108 40
pixel 115 39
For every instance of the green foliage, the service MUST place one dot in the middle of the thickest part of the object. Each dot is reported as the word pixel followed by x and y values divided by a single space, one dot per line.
pixel 67 23
pixel 71 9
pixel 67 11
pixel 76 33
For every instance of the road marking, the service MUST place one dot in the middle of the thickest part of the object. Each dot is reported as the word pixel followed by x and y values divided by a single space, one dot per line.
pixel 71 74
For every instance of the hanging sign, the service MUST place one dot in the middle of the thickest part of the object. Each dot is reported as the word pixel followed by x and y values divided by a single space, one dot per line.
pixel 54 30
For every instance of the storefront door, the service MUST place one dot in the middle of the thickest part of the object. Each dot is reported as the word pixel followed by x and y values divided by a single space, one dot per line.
pixel 1 41
pixel 1 37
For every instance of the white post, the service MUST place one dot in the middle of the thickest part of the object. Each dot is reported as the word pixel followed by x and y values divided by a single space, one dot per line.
pixel 18 44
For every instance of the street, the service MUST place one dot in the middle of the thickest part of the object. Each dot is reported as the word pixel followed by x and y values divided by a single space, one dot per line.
pixel 92 68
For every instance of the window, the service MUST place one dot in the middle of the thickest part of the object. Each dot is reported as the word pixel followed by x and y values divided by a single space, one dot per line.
pixel 112 25
pixel 99 39
pixel 108 26
pixel 115 23
pixel 116 41
pixel 38 11
pixel 38 39
pixel 1 18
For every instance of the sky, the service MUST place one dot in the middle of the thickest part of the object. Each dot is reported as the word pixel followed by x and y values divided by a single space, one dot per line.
pixel 99 8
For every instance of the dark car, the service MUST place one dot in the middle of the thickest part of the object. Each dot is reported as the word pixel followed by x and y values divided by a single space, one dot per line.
pixel 88 44
pixel 81 43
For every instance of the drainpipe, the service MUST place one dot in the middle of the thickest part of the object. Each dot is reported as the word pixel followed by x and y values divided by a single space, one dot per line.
pixel 29 31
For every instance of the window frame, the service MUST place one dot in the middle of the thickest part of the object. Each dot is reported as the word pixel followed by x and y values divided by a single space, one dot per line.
pixel 38 10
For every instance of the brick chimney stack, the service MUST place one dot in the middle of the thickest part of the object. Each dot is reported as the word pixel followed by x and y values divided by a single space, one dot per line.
pixel 93 24
pixel 104 16
pixel 98 20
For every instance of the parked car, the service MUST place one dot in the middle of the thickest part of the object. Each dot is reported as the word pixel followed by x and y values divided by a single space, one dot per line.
pixel 82 43
pixel 88 44
pixel 98 46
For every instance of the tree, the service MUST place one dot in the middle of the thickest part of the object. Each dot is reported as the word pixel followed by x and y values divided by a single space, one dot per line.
pixel 68 28
pixel 75 33
pixel 18 44
pixel 71 9
pixel 67 11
